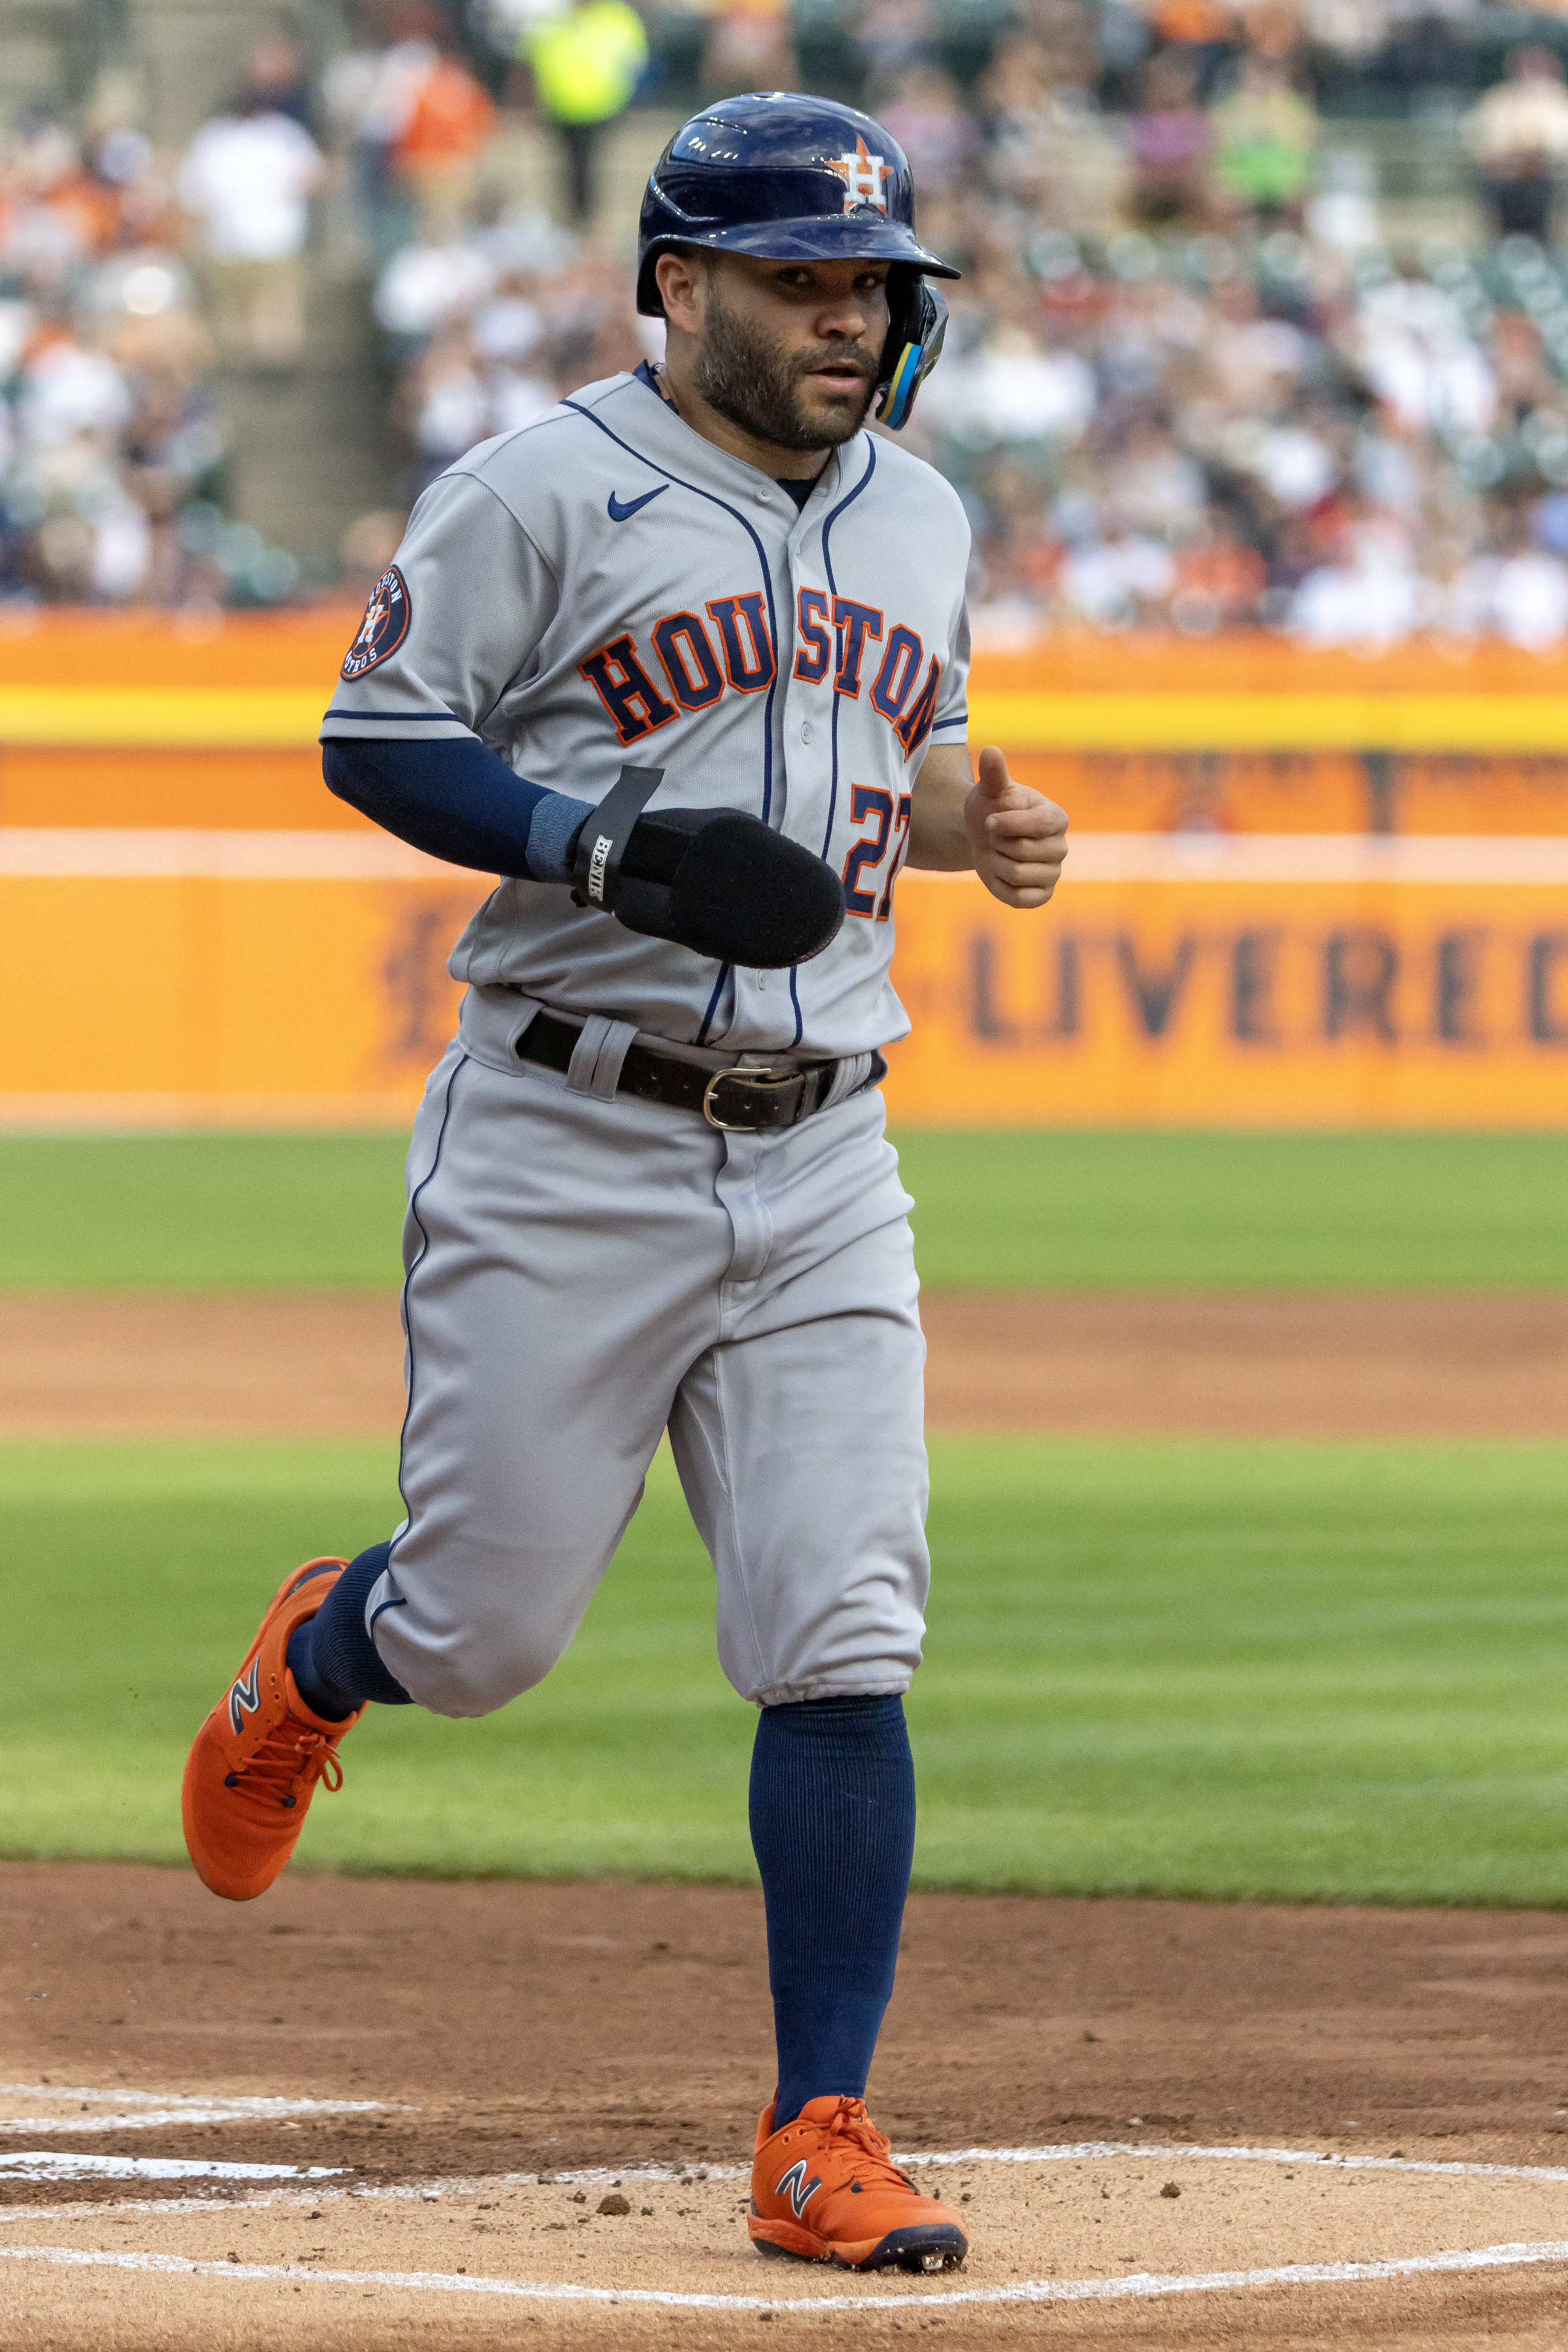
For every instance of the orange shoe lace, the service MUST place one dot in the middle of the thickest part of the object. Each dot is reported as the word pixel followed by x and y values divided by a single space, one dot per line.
pixel 289 1764
pixel 851 2124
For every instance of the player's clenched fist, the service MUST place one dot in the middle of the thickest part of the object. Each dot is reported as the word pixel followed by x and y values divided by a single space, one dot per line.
pixel 1019 837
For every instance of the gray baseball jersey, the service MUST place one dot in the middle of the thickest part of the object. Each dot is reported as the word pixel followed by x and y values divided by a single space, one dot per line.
pixel 608 586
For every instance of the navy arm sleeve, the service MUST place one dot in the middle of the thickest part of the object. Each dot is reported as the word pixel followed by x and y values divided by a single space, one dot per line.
pixel 456 800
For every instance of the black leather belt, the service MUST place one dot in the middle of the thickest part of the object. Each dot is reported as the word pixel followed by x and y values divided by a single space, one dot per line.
pixel 737 1100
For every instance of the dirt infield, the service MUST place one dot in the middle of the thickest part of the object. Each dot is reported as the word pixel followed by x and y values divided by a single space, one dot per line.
pixel 1331 2094
pixel 1454 1366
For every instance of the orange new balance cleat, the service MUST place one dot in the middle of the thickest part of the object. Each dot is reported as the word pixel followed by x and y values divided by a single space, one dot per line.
pixel 258 1755
pixel 826 2189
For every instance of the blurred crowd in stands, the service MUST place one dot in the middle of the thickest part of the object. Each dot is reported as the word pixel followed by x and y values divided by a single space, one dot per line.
pixel 1192 380
pixel 124 277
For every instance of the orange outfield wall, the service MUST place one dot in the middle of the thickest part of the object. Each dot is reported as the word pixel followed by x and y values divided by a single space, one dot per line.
pixel 1219 1003
pixel 1196 1003
pixel 191 928
pixel 146 718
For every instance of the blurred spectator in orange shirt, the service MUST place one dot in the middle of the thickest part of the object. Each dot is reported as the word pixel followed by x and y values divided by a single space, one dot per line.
pixel 54 211
pixel 438 148
pixel 368 96
pixel 91 203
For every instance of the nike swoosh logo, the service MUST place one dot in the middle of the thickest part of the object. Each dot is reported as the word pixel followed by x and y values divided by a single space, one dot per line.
pixel 618 513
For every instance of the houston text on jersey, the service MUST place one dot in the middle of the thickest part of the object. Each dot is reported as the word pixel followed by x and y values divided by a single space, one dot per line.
pixel 833 634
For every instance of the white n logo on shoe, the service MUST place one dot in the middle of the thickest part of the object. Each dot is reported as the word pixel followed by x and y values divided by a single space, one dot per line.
pixel 797 2186
pixel 245 1697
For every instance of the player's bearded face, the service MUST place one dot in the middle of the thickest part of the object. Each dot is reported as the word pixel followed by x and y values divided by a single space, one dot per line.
pixel 768 385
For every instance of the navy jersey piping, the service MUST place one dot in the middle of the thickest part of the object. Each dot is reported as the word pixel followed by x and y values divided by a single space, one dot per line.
pixel 408 1297
pixel 413 717
pixel 794 999
pixel 736 516
pixel 712 1003
pixel 829 522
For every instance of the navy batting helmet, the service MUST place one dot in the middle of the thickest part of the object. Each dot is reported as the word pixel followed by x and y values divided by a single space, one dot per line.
pixel 789 178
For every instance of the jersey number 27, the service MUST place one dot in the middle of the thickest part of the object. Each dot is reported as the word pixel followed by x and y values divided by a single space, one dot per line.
pixel 869 802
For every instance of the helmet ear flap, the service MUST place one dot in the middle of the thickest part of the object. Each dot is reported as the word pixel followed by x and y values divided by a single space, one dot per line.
pixel 917 322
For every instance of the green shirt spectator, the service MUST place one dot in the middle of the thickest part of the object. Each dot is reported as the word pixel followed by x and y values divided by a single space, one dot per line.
pixel 1264 133
pixel 586 63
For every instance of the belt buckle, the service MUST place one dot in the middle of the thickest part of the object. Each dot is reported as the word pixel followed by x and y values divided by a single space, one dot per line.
pixel 753 1078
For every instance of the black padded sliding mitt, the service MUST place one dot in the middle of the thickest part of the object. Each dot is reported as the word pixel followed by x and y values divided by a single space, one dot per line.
pixel 714 880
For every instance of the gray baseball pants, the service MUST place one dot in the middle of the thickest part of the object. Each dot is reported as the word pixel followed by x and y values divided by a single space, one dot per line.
pixel 585 1270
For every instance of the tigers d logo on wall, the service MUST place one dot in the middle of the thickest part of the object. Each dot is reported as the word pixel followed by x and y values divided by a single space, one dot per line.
pixel 384 627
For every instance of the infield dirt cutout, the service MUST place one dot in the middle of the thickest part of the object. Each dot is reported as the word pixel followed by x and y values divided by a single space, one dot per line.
pixel 1456 1365
pixel 1363 2112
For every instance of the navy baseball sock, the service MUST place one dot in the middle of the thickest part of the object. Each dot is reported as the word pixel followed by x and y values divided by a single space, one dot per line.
pixel 833 1825
pixel 333 1659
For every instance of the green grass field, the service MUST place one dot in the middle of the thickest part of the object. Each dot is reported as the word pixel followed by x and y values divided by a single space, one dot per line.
pixel 1094 1210
pixel 1320 1672
pixel 1325 1672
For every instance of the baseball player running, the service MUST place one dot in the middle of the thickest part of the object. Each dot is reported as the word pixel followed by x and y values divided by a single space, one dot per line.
pixel 685 661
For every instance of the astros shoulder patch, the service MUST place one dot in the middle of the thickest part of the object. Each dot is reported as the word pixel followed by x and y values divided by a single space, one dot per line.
pixel 384 627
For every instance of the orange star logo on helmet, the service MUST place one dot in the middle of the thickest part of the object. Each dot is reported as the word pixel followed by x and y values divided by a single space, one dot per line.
pixel 864 176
